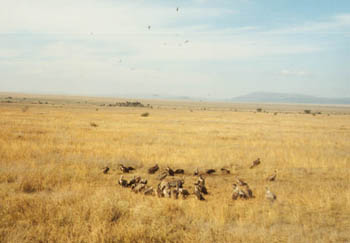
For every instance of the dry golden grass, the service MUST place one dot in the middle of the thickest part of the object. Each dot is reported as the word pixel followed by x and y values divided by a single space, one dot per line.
pixel 52 188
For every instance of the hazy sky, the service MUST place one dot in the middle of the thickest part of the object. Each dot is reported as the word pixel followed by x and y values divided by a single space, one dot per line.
pixel 209 48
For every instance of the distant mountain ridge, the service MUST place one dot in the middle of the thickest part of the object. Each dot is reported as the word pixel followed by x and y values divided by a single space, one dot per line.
pixel 267 97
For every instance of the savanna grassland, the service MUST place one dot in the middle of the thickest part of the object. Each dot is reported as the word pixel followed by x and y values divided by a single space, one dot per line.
pixel 52 188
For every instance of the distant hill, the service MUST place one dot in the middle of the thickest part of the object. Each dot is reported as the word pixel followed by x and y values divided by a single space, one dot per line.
pixel 266 97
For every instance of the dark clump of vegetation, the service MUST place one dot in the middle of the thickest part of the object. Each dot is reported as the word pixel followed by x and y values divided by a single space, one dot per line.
pixel 259 109
pixel 130 104
pixel 307 111
pixel 93 124
pixel 145 114
pixel 25 108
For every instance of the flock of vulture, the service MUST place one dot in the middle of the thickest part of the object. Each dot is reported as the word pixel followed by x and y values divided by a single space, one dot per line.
pixel 173 188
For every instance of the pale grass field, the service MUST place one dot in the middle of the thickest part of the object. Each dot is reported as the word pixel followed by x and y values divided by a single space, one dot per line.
pixel 52 188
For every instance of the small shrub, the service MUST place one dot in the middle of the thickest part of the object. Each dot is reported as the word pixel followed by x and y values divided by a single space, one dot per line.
pixel 31 185
pixel 145 114
pixel 25 108
pixel 93 124
pixel 11 178
pixel 275 113
pixel 307 111
pixel 8 178
pixel 259 109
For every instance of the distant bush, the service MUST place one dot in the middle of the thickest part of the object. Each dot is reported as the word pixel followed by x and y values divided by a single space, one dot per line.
pixel 259 109
pixel 30 185
pixel 129 104
pixel 25 108
pixel 145 114
pixel 93 124
pixel 275 113
pixel 307 111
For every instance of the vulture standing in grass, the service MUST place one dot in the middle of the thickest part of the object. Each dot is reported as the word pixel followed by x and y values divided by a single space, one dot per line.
pixel 270 195
pixel 170 171
pixel 241 182
pixel 153 169
pixel 163 175
pixel 122 181
pixel 148 191
pixel 272 177
pixel 179 171
pixel 123 168
pixel 130 168
pixel 255 163
pixel 105 170
pixel 210 171
pixel 235 193
pixel 226 171
pixel 197 192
